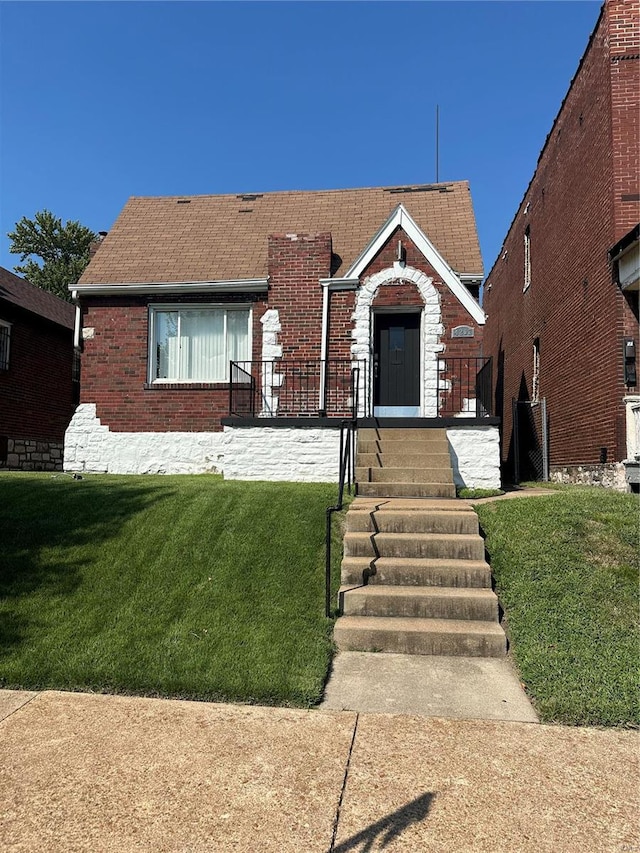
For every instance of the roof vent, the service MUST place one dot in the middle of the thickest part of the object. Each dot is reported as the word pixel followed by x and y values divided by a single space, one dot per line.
pixel 184 201
pixel 427 188
pixel 249 196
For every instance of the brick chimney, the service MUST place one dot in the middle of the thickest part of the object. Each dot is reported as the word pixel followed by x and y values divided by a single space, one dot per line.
pixel 297 262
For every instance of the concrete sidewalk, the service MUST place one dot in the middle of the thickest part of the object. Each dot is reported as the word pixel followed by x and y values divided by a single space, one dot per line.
pixel 113 773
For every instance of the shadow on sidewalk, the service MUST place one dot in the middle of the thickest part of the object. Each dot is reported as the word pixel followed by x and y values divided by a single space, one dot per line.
pixel 387 828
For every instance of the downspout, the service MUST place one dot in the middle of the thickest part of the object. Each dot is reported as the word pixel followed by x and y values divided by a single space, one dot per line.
pixel 324 348
pixel 78 320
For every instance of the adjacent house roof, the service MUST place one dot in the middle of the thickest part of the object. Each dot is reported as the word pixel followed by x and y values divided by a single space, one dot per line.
pixel 25 295
pixel 224 237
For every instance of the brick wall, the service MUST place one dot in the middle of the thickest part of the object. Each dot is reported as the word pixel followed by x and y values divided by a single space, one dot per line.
pixel 297 262
pixel 115 369
pixel 37 390
pixel 623 26
pixel 453 312
pixel 573 306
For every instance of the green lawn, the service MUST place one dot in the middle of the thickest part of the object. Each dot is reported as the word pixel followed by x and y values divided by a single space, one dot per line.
pixel 175 586
pixel 566 570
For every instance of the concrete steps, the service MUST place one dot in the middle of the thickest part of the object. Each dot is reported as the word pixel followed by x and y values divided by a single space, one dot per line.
pixel 407 490
pixel 404 463
pixel 407 571
pixel 453 546
pixel 414 577
pixel 402 635
pixel 421 602
pixel 396 521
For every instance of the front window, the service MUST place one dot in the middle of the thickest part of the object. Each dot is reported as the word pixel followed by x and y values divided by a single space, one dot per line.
pixel 196 344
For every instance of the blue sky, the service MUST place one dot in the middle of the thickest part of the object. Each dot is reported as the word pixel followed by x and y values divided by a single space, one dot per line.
pixel 103 100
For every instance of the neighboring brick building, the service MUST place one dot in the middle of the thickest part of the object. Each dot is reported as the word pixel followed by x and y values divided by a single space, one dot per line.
pixel 326 301
pixel 37 394
pixel 562 321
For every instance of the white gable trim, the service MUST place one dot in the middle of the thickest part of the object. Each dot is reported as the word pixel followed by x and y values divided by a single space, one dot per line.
pixel 403 219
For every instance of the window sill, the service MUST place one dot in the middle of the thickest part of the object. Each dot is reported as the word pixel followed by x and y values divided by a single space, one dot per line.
pixel 186 386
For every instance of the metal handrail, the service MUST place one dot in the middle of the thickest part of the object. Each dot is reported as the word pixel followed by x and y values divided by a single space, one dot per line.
pixel 293 388
pixel 346 472
pixel 462 380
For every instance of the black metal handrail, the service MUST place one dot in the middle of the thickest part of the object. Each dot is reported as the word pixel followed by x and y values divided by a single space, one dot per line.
pixel 292 388
pixel 346 473
pixel 241 391
pixel 464 387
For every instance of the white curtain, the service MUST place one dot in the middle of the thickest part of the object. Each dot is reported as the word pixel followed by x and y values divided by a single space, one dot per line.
pixel 202 338
pixel 196 345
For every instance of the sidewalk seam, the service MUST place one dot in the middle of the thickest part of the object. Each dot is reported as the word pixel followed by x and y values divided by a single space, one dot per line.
pixel 344 785
pixel 19 708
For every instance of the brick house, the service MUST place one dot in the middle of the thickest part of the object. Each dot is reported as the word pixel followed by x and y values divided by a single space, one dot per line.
pixel 37 392
pixel 233 333
pixel 562 297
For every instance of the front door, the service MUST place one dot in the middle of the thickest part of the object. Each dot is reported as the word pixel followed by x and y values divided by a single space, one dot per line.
pixel 396 365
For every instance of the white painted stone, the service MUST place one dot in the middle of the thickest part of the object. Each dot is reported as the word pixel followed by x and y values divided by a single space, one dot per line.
pixel 92 447
pixel 475 456
pixel 271 350
pixel 305 454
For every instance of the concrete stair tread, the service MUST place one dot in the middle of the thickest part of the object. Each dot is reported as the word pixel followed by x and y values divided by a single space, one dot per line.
pixel 407 490
pixel 363 535
pixel 422 636
pixel 366 504
pixel 398 521
pixel 442 476
pixel 422 602
pixel 381 591
pixel 416 572
pixel 395 459
pixel 418 625
pixel 415 562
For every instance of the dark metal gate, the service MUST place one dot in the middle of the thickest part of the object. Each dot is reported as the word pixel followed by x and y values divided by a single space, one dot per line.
pixel 530 440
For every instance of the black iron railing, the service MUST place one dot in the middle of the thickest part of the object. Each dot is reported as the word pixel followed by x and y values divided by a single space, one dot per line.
pixel 464 387
pixel 346 476
pixel 294 388
pixel 242 387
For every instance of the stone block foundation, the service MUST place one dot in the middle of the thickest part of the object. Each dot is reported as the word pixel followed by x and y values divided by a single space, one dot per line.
pixel 305 454
pixel 31 454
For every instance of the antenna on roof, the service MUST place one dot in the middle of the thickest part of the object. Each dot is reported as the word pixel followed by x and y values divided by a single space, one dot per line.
pixel 437 142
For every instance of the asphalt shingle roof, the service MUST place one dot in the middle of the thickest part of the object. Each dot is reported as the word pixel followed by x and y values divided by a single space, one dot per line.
pixel 224 237
pixel 20 292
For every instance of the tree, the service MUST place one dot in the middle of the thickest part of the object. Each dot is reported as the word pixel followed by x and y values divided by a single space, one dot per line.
pixel 63 249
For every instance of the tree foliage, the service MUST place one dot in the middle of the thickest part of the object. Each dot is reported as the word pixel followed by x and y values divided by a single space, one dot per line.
pixel 63 250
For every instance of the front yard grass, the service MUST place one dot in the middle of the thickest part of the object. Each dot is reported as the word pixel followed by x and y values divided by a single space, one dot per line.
pixel 566 570
pixel 173 586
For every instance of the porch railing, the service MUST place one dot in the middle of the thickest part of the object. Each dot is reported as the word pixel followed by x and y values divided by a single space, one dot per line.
pixel 295 388
pixel 340 388
pixel 464 387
